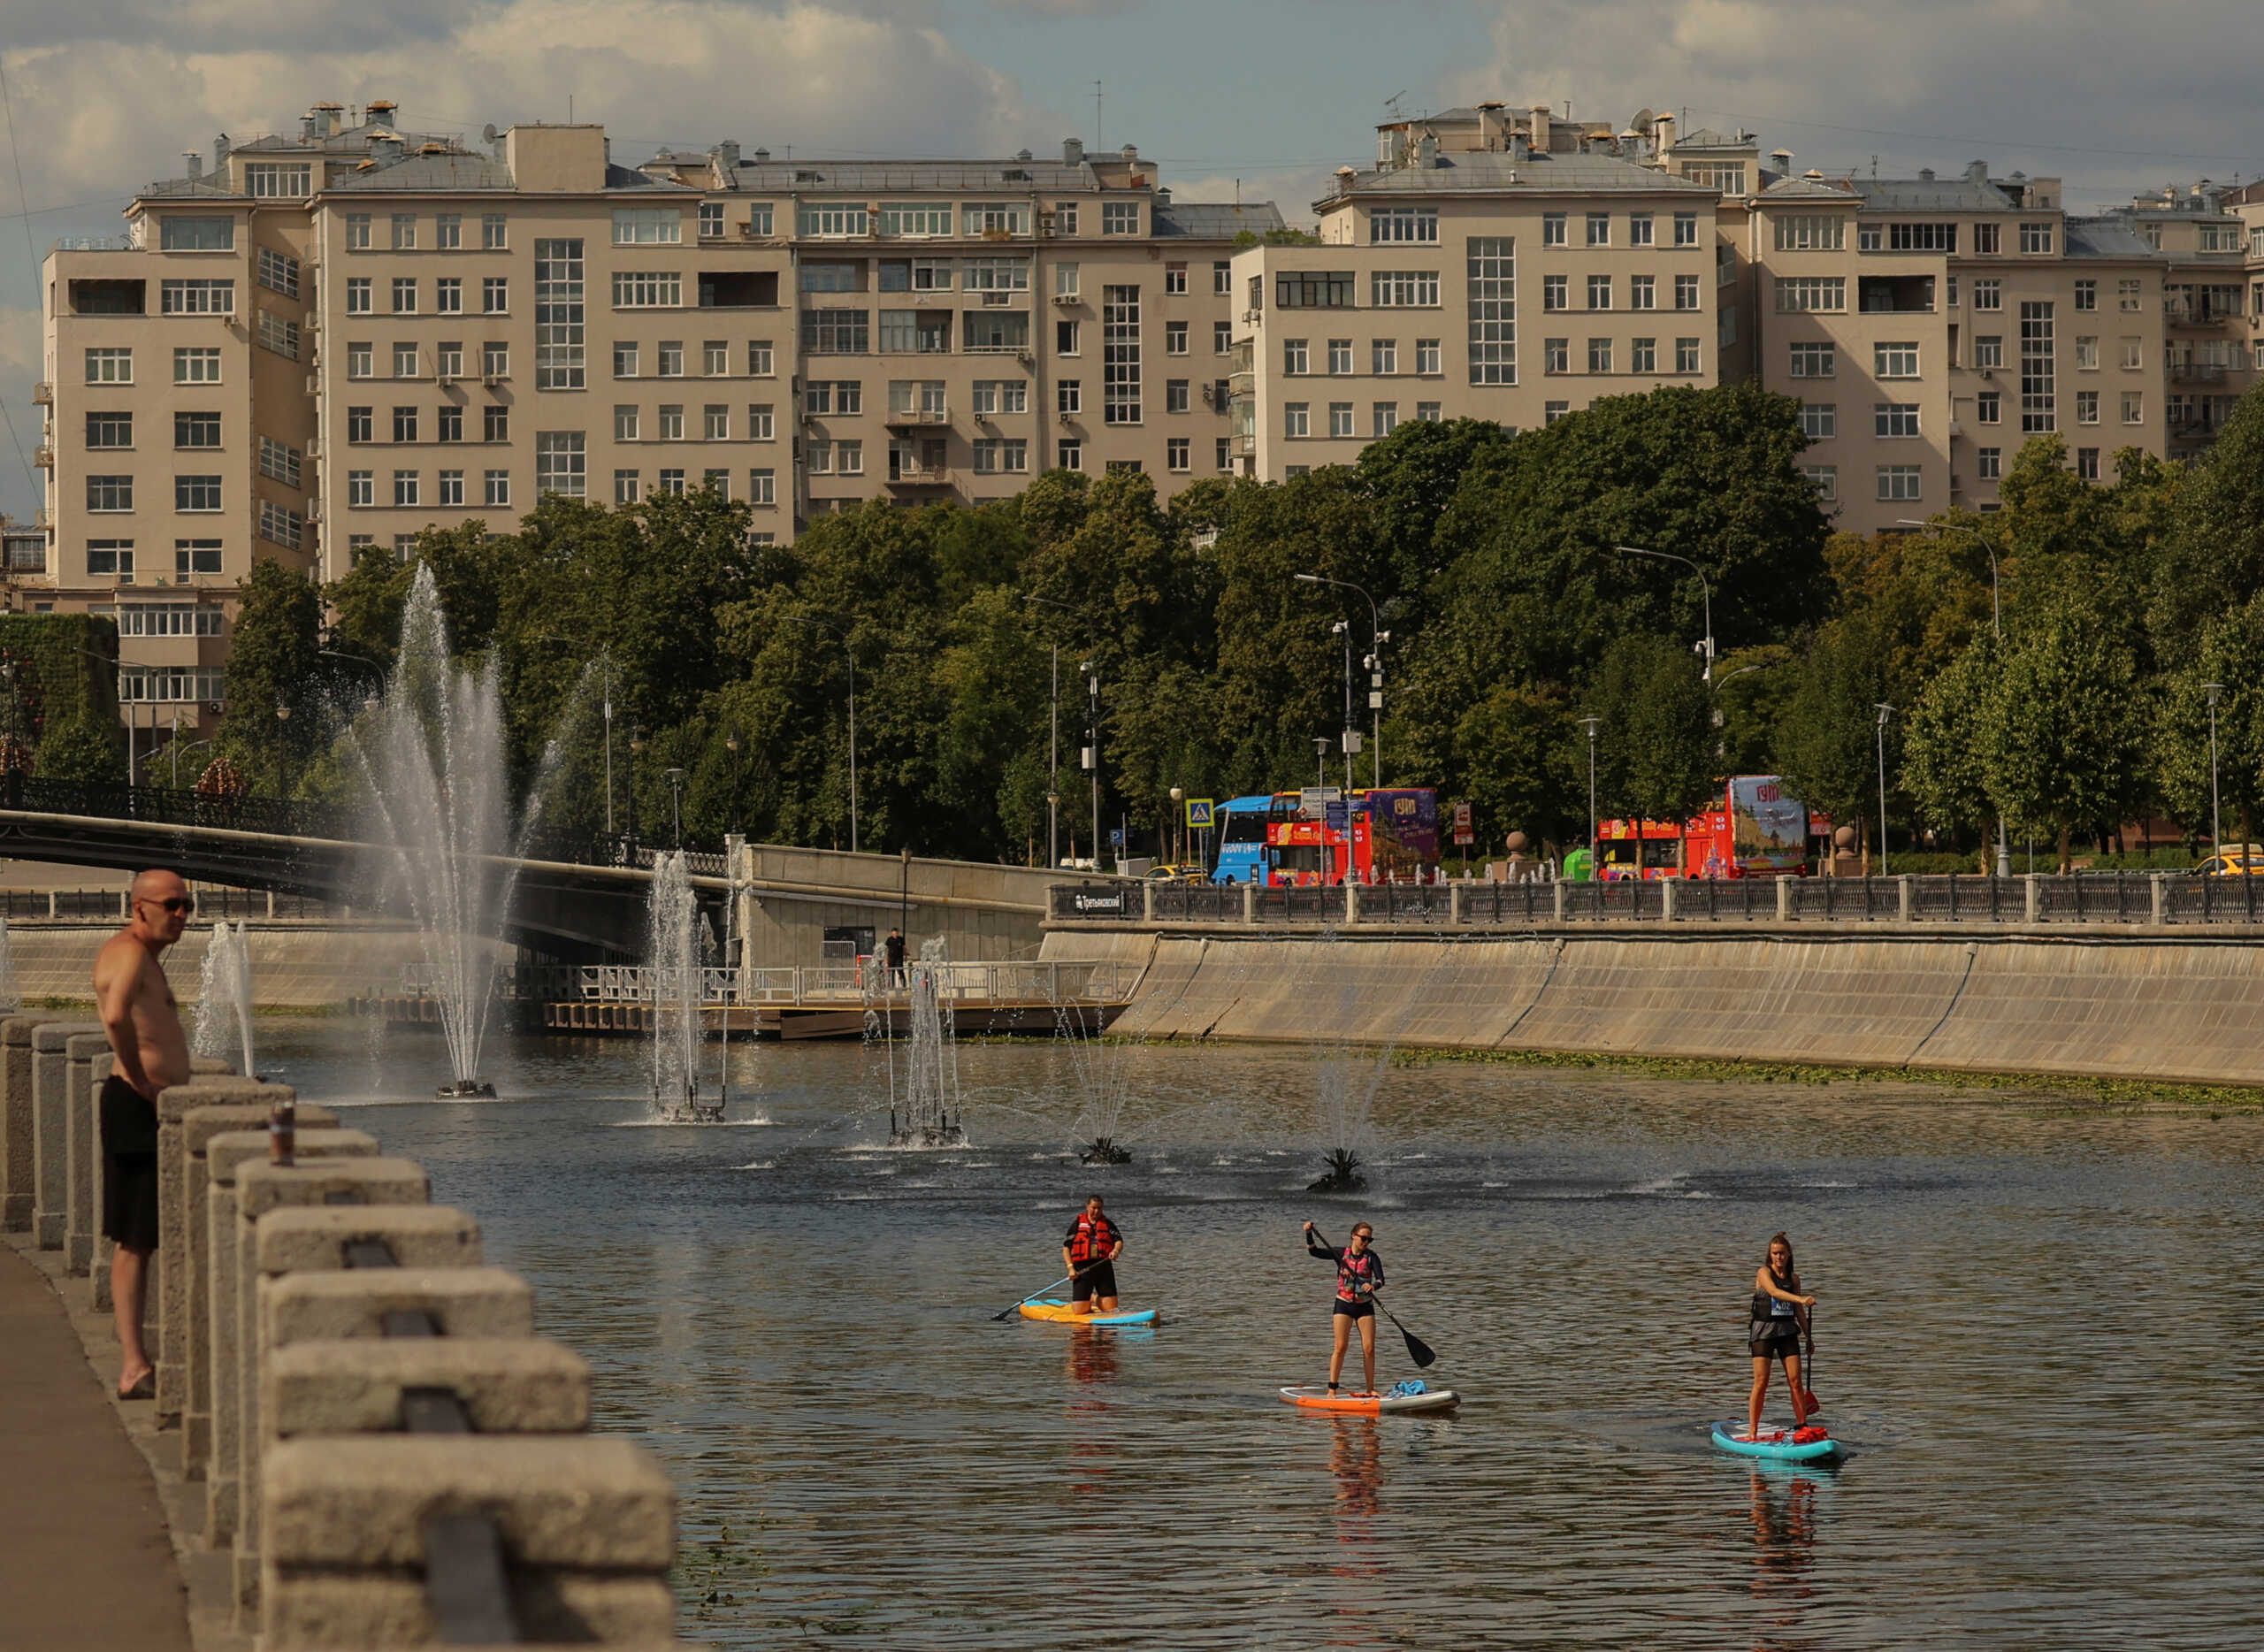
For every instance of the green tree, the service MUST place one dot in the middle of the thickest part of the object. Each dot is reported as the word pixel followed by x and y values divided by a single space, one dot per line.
pixel 2231 656
pixel 275 666
pixel 2211 559
pixel 1655 745
pixel 1826 740
pixel 1944 768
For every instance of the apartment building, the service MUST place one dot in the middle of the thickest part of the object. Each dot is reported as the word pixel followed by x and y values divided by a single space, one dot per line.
pixel 332 341
pixel 2213 301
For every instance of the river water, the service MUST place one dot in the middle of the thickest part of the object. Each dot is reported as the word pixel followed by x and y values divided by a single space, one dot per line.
pixel 2037 1334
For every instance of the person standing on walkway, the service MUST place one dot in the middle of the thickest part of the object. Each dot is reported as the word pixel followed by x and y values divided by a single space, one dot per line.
pixel 1359 1275
pixel 893 950
pixel 149 1051
pixel 1779 1313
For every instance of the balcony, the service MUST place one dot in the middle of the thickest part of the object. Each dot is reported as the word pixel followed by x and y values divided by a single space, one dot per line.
pixel 2181 312
pixel 43 395
pixel 2195 373
pixel 920 476
pixel 1895 295
pixel 43 456
pixel 903 418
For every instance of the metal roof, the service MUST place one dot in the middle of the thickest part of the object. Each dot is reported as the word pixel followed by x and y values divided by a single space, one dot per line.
pixel 1492 170
pixel 458 170
pixel 1215 220
pixel 1931 194
pixel 1707 137
pixel 1812 189
pixel 2104 238
pixel 821 176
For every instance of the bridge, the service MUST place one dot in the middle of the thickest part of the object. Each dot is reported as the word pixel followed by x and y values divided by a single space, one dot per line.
pixel 579 898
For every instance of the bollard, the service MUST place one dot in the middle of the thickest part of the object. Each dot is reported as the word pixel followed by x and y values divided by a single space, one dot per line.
pixel 19 1158
pixel 189 1116
pixel 225 1154
pixel 83 1149
pixel 51 1127
pixel 470 1301
pixel 318 1179
pixel 585 1529
pixel 505 1385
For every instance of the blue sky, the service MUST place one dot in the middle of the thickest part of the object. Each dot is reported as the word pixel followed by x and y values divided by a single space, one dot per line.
pixel 103 94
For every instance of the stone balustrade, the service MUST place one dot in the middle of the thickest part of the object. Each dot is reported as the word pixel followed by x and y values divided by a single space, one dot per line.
pixel 390 1456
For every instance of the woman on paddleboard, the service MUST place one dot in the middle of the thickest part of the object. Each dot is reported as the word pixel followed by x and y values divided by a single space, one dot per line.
pixel 1091 1249
pixel 1780 1315
pixel 1359 1275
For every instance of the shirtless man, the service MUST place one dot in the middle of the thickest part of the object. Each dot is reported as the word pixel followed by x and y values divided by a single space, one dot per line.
pixel 150 1052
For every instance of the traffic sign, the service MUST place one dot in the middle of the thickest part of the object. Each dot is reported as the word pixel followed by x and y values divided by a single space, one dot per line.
pixel 1198 810
pixel 1116 837
pixel 1464 831
pixel 1334 815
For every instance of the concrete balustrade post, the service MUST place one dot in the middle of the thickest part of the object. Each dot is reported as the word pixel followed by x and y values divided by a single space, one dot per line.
pixel 1669 903
pixel 51 1128
pixel 262 1189
pixel 1557 900
pixel 82 1148
pixel 225 1155
pixel 588 1528
pixel 2033 893
pixel 1147 902
pixel 2157 898
pixel 506 1385
pixel 1457 904
pixel 1784 900
pixel 1902 897
pixel 19 1156
pixel 1250 903
pixel 189 1116
pixel 336 1306
pixel 1352 905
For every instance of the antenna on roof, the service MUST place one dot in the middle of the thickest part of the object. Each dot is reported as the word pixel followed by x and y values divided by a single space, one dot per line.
pixel 1099 143
pixel 1874 169
pixel 1391 104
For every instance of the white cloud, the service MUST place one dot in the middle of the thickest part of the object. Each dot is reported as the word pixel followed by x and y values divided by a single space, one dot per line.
pixel 1293 191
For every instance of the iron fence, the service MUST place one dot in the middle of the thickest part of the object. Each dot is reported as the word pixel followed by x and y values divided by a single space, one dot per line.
pixel 1196 903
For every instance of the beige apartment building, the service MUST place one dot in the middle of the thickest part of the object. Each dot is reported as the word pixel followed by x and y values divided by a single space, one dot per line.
pixel 330 341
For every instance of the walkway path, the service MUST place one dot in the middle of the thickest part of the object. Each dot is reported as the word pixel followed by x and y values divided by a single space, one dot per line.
pixel 85 1560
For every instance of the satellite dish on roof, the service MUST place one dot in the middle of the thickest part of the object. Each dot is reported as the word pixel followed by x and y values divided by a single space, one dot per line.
pixel 488 132
pixel 1643 121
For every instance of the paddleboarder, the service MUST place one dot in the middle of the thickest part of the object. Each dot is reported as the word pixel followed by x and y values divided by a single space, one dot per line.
pixel 1359 1275
pixel 1089 1249
pixel 1780 1315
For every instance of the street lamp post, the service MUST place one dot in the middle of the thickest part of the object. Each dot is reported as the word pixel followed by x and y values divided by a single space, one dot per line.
pixel 2216 693
pixel 731 745
pixel 675 802
pixel 283 741
pixel 1179 824
pixel 1092 745
pixel 1997 629
pixel 1053 743
pixel 1344 630
pixel 1592 723
pixel 843 636
pixel 1377 637
pixel 1884 712
pixel 636 750
pixel 1705 592
pixel 1320 757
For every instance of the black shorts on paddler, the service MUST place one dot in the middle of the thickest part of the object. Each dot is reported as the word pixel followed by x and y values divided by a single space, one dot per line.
pixel 1352 1310
pixel 1094 1279
pixel 1767 1342
pixel 129 1127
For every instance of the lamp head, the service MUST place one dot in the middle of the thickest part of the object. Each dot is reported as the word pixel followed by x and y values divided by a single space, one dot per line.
pixel 2215 691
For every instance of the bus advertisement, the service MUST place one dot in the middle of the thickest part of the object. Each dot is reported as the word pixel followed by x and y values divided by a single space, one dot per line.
pixel 1758 830
pixel 1321 837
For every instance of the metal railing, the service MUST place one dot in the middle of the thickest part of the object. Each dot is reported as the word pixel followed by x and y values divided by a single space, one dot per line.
pixel 866 982
pixel 214 902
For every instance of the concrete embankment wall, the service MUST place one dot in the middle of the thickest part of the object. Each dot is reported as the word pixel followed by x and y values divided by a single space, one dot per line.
pixel 2098 1003
pixel 294 965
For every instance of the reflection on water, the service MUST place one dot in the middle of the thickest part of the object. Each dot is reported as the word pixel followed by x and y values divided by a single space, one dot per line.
pixel 798 1321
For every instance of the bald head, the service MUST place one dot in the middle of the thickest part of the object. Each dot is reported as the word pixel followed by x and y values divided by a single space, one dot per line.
pixel 158 884
pixel 161 906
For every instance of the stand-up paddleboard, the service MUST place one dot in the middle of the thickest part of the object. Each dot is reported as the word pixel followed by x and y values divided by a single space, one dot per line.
pixel 1784 1445
pixel 1403 1396
pixel 1054 1310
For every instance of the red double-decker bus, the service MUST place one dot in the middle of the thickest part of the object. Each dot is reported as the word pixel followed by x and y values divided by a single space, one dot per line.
pixel 1758 830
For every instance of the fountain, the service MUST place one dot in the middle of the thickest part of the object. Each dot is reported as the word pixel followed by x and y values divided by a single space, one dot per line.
pixel 434 756
pixel 1103 1086
pixel 1345 1093
pixel 931 1070
pixel 224 998
pixel 675 948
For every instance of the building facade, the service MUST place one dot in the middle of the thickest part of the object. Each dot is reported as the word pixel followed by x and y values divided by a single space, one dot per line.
pixel 330 342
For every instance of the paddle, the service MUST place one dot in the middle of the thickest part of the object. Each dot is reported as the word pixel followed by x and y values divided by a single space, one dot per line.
pixel 1068 1278
pixel 1808 1368
pixel 1418 1350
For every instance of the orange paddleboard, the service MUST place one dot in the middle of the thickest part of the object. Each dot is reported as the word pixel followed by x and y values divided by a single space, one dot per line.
pixel 1318 1398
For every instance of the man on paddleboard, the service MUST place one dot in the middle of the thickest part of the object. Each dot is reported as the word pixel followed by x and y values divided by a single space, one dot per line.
pixel 1089 1249
pixel 1359 1275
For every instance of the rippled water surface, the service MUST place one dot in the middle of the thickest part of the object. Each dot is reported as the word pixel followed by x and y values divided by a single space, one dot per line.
pixel 2037 1334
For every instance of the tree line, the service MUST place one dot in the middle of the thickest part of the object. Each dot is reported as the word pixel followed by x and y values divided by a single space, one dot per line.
pixel 2063 695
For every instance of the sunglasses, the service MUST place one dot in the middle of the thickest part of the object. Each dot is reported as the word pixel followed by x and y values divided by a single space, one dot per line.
pixel 182 904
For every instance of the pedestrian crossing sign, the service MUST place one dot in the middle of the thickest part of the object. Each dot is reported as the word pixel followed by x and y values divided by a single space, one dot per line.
pixel 1198 810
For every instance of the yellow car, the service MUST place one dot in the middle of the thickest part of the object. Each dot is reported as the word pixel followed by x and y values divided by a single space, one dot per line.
pixel 2239 859
pixel 1178 874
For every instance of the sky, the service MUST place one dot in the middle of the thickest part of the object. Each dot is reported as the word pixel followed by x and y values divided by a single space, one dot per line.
pixel 1265 98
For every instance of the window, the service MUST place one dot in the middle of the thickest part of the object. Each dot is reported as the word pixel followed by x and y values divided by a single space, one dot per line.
pixel 404 232
pixel 1065 280
pixel 1120 335
pixel 626 424
pixel 1553 294
pixel 406 361
pixel 1222 279
pixel 558 462
pixel 2133 352
pixel 1988 292
pixel 1728 177
pixel 1224 454
pixel 197 430
pixel 1811 232
pixel 1599 291
pixel 404 296
pixel 716 482
pixel 2127 293
pixel 278 273
pixel 495 421
pixel 361 488
pixel 109 364
pixel 1174 279
pixel 1988 407
pixel 1313 289
pixel 1174 338
pixel 668 358
pixel 451 487
pixel 448 358
pixel 278 180
pixel 497 488
pixel 849 458
pixel 714 423
pixel 494 295
pixel 447 295
pixel 711 221
pixel 447 231
pixel 1811 293
pixel 179 232
pixel 494 359
pixel 1009 457
pixel 1011 218
pixel 358 422
pixel 1340 357
pixel 992 396
pixel 837 331
pixel 196 492
pixel 2134 407
pixel 762 421
pixel 1222 338
pixel 986 330
pixel 2086 353
pixel 1642 292
pixel 1824 479
pixel 405 423
pixel 1989 464
pixel 1639 229
pixel 1686 292
pixel 628 487
pixel 1069 396
pixel 2087 463
pixel 1599 355
pixel 1642 355
pixel 1895 418
pixel 917 218
pixel 1383 418
pixel 1551 411
pixel 1552 229
pixel 715 359
pixel 2087 294
pixel 2036 238
pixel 202 556
pixel 1555 355
pixel 1685 356
pixel 1383 355
pixel 1951 283
pixel 110 492
pixel 447 422
pixel 357 232
pixel 1819 420
pixel 1340 418
pixel 648 289
pixel 1815 361
pixel 1898 482
pixel 2086 407
pixel 197 365
pixel 1402 224
pixel 670 424
pixel 109 430
pixel 1176 399
pixel 1119 218
pixel 1599 229
pixel 1070 455
pixel 111 558
pixel 996 275
pixel 491 237
pixel 758 359
pixel 196 298
pixel 1894 360
pixel 1297 418
pixel 1686 229
pixel 2039 403
pixel 1988 349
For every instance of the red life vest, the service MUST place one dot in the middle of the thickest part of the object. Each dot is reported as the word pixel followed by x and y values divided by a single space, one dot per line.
pixel 1092 1238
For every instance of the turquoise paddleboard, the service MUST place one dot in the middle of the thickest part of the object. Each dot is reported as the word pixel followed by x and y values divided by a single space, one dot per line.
pixel 1776 1443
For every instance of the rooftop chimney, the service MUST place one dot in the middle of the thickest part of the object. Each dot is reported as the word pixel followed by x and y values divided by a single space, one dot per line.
pixel 1781 162
pixel 1130 152
pixel 1427 151
pixel 381 112
pixel 387 151
pixel 1073 151
pixel 1665 140
pixel 1925 174
pixel 1540 128
pixel 727 153
pixel 220 147
pixel 328 118
pixel 195 163
pixel 760 156
pixel 1977 172
pixel 310 123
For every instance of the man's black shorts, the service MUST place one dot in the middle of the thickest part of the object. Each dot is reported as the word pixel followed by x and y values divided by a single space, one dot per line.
pixel 129 1126
pixel 1094 1279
